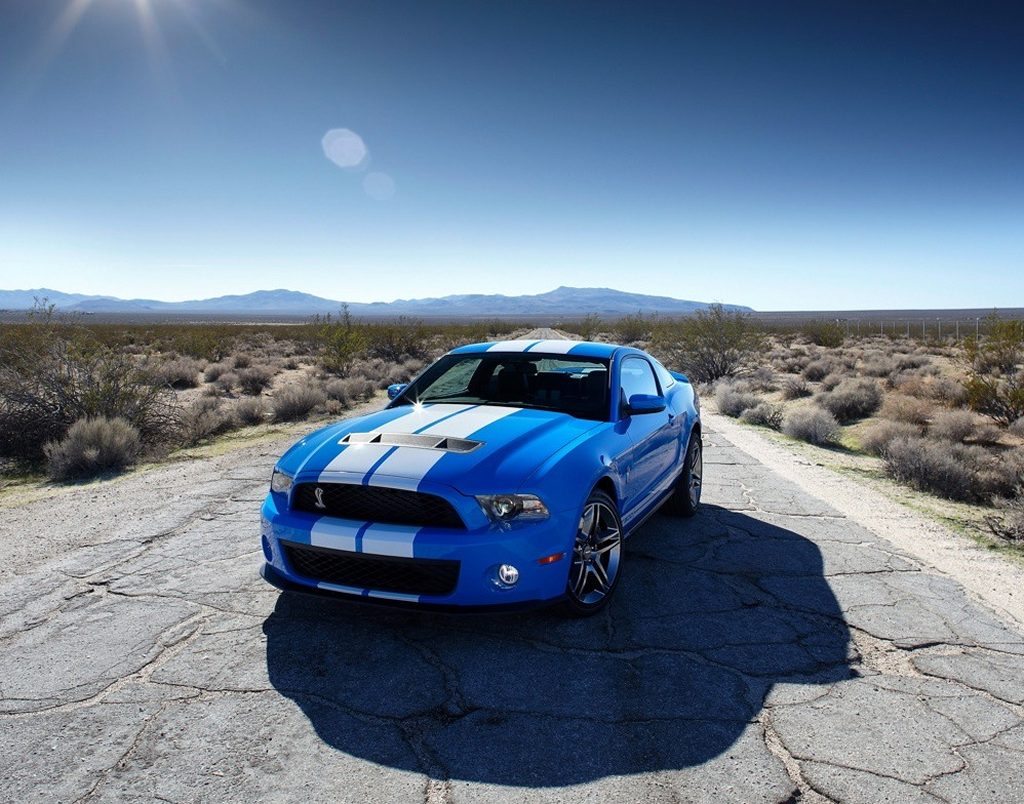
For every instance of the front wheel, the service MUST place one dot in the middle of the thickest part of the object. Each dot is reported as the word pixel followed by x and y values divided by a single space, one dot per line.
pixel 686 499
pixel 596 557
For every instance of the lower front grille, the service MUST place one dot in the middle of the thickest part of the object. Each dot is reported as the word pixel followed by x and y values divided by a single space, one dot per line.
pixel 412 576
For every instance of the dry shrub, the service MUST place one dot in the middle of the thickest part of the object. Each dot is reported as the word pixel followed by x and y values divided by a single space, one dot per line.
pixel 92 446
pixel 877 364
pixel 957 472
pixel 249 412
pixel 227 381
pixel 46 387
pixel 761 379
pixel 876 439
pixel 852 399
pixel 297 402
pixel 830 381
pixel 734 398
pixel 764 414
pixel 948 391
pixel 909 409
pixel 710 344
pixel 987 434
pixel 813 425
pixel 952 425
pixel 819 369
pixel 242 360
pixel 1010 526
pixel 214 371
pixel 206 418
pixel 254 380
pixel 175 372
pixel 1017 428
pixel 795 388
pixel 912 361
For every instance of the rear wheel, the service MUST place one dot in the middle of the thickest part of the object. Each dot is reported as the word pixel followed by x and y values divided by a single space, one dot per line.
pixel 686 499
pixel 596 557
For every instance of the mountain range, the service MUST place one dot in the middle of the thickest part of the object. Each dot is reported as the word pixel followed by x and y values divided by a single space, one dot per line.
pixel 561 301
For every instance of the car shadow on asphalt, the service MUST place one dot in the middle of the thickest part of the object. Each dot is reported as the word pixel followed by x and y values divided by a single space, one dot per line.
pixel 710 615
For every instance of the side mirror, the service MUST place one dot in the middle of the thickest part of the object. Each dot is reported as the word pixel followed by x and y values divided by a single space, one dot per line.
pixel 645 403
pixel 397 389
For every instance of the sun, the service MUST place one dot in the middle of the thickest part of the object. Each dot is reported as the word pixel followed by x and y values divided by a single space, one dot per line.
pixel 146 11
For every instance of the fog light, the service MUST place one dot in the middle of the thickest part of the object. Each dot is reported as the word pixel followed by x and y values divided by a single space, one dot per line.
pixel 508 575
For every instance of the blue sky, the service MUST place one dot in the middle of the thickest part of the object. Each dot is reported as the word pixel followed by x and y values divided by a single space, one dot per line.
pixel 818 155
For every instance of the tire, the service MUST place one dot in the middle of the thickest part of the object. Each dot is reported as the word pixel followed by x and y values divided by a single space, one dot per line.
pixel 686 499
pixel 596 563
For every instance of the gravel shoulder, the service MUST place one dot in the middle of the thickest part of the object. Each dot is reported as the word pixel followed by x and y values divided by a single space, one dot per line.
pixel 989 577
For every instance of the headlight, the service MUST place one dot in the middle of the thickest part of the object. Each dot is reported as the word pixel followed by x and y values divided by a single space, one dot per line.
pixel 280 482
pixel 506 507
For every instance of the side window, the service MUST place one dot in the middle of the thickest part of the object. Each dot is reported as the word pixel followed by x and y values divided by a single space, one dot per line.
pixel 666 379
pixel 637 377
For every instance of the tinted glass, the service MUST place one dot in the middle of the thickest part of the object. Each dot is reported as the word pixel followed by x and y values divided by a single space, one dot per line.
pixel 573 385
pixel 637 377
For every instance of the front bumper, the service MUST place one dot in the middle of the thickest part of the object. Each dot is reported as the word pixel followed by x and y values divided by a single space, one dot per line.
pixel 479 551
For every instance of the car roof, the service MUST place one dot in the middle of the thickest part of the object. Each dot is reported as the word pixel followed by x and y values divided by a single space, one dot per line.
pixel 548 347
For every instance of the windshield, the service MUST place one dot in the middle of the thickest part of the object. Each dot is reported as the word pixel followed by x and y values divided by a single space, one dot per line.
pixel 573 385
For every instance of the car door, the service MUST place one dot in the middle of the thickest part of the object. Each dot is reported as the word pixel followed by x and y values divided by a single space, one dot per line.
pixel 653 443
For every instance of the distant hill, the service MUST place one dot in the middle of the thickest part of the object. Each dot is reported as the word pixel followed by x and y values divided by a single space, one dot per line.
pixel 561 301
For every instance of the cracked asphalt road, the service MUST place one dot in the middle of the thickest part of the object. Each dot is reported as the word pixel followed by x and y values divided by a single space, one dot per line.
pixel 769 650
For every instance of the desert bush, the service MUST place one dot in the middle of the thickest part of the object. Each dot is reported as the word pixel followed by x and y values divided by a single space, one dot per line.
pixel 795 388
pixel 227 381
pixel 175 372
pixel 709 344
pixel 987 434
pixel 290 364
pixel 92 446
pixel 830 381
pixel 813 425
pixel 818 369
pixel 995 385
pixel 912 361
pixel 254 380
pixel 957 472
pixel 876 439
pixel 361 388
pixel 205 418
pixel 396 340
pixel 1010 526
pixel 337 341
pixel 824 333
pixel 633 328
pixel 761 379
pixel 242 360
pixel 764 414
pixel 1017 428
pixel 213 371
pixel 296 403
pixel 588 326
pixel 48 385
pixel 877 364
pixel 900 408
pixel 852 399
pixel 732 399
pixel 338 391
pixel 952 425
pixel 249 412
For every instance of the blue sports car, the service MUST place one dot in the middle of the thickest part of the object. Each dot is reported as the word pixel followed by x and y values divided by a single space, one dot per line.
pixel 505 474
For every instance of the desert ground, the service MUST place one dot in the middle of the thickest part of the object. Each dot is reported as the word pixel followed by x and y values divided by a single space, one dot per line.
pixel 828 628
pixel 780 644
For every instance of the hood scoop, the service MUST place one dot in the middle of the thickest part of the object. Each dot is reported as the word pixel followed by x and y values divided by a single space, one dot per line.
pixel 443 443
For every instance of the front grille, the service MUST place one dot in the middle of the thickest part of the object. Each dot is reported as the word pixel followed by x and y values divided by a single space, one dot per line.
pixel 413 576
pixel 377 504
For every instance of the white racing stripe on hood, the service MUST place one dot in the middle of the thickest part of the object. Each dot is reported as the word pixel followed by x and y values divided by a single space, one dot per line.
pixel 415 462
pixel 554 347
pixel 509 346
pixel 360 457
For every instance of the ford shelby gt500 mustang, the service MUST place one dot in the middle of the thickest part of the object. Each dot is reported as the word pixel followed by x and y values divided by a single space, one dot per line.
pixel 506 473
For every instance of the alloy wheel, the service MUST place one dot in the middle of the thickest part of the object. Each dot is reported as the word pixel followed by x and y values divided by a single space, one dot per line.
pixel 596 554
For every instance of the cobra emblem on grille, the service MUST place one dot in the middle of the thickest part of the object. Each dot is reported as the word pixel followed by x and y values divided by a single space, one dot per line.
pixel 319 493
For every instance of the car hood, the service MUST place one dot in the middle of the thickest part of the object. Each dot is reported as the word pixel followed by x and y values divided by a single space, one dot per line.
pixel 473 448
